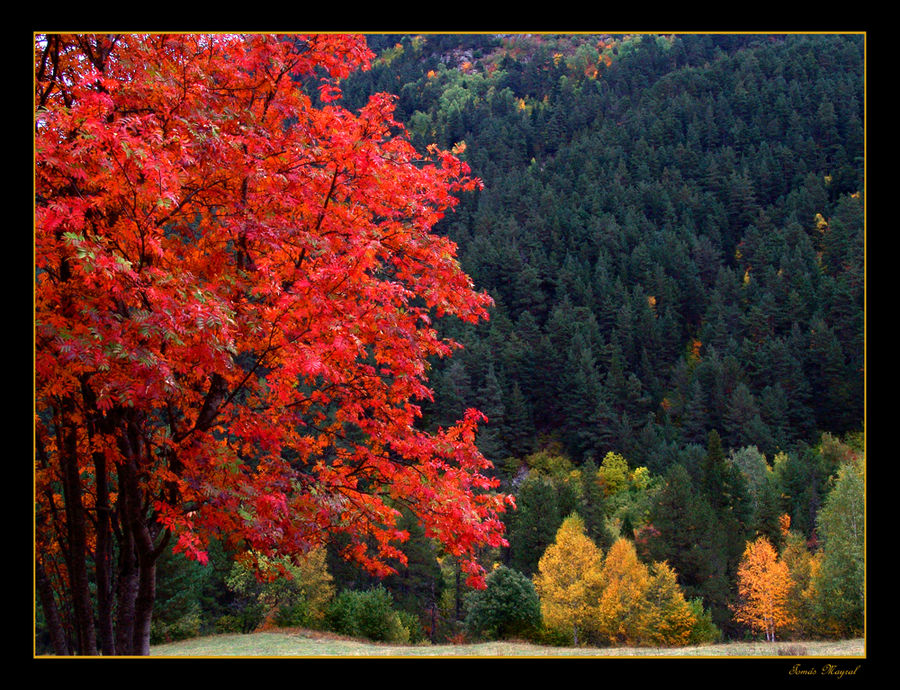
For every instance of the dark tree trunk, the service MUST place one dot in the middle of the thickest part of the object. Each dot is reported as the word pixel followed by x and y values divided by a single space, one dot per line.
pixel 129 573
pixel 44 522
pixel 137 525
pixel 126 594
pixel 143 612
pixel 103 567
pixel 76 546
pixel 51 613
pixel 103 555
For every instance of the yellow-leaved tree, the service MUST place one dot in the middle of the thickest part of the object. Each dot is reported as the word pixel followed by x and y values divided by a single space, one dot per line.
pixel 625 580
pixel 666 619
pixel 764 588
pixel 568 580
pixel 803 566
pixel 641 604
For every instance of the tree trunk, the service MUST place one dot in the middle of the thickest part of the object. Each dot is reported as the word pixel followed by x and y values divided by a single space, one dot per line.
pixel 126 595
pixel 148 553
pixel 76 546
pixel 102 565
pixel 103 555
pixel 136 525
pixel 51 613
pixel 143 610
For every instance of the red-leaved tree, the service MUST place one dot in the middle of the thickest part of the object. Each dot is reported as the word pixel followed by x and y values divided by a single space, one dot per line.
pixel 235 284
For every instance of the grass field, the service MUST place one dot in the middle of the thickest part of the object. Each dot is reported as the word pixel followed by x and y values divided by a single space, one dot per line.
pixel 306 643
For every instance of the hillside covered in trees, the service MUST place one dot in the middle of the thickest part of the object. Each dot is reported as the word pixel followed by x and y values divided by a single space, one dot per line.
pixel 671 229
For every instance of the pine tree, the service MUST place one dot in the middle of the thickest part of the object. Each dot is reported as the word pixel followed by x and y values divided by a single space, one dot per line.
pixel 417 585
pixel 491 438
pixel 767 518
pixel 519 424
pixel 592 505
pixel 694 419
pixel 684 532
pixel 714 473
pixel 533 524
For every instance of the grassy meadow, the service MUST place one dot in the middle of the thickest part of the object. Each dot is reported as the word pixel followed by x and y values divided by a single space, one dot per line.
pixel 306 643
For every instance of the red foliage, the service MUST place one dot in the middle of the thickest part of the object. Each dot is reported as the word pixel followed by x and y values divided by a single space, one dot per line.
pixel 235 292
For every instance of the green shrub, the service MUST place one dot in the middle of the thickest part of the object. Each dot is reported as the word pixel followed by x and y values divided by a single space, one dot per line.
pixel 413 625
pixel 243 620
pixel 553 637
pixel 182 628
pixel 704 631
pixel 508 607
pixel 229 623
pixel 296 615
pixel 251 616
pixel 368 614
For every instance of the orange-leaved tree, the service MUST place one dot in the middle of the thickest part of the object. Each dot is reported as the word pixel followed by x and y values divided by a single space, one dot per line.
pixel 235 287
pixel 764 588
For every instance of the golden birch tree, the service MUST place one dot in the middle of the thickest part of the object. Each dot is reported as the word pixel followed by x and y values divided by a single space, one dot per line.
pixel 802 565
pixel 666 618
pixel 568 579
pixel 764 588
pixel 625 580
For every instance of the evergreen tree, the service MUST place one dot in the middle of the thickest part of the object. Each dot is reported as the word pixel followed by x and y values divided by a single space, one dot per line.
pixel 417 586
pixel 684 532
pixel 492 435
pixel 534 524
pixel 508 606
pixel 726 490
pixel 800 480
pixel 519 429
pixel 454 393
pixel 767 518
pixel 715 473
pixel 694 419
pixel 592 505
